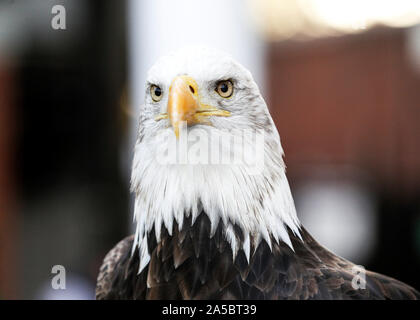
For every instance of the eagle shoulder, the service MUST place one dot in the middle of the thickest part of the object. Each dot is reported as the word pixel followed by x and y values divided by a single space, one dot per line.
pixel 324 275
pixel 117 267
pixel 390 288
pixel 328 283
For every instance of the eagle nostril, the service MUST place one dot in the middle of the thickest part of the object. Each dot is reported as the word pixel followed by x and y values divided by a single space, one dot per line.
pixel 192 89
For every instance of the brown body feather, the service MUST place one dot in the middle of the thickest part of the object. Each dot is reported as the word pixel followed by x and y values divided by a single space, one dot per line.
pixel 189 264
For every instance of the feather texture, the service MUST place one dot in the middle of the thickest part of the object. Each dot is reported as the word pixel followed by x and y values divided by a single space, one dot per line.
pixel 179 269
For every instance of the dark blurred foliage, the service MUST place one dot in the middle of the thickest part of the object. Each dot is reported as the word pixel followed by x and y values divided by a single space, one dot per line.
pixel 70 132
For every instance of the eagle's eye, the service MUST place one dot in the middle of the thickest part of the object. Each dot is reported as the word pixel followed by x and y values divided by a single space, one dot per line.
pixel 224 88
pixel 156 93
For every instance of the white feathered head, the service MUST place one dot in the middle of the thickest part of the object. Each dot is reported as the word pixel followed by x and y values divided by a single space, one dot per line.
pixel 202 121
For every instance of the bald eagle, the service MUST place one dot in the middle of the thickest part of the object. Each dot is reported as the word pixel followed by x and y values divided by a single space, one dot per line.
pixel 219 229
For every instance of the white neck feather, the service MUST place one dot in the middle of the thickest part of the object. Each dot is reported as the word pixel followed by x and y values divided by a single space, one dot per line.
pixel 260 204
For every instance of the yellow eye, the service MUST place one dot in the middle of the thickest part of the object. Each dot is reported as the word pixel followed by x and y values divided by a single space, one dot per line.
pixel 225 88
pixel 156 93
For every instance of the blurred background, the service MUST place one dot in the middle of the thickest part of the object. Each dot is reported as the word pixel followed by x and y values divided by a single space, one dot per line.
pixel 341 79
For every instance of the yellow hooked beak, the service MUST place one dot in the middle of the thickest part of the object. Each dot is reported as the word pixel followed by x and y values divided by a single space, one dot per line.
pixel 184 105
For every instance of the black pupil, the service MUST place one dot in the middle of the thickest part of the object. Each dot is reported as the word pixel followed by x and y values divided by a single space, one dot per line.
pixel 158 92
pixel 224 87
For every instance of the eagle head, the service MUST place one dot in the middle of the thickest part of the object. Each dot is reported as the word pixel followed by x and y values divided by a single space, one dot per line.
pixel 207 143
